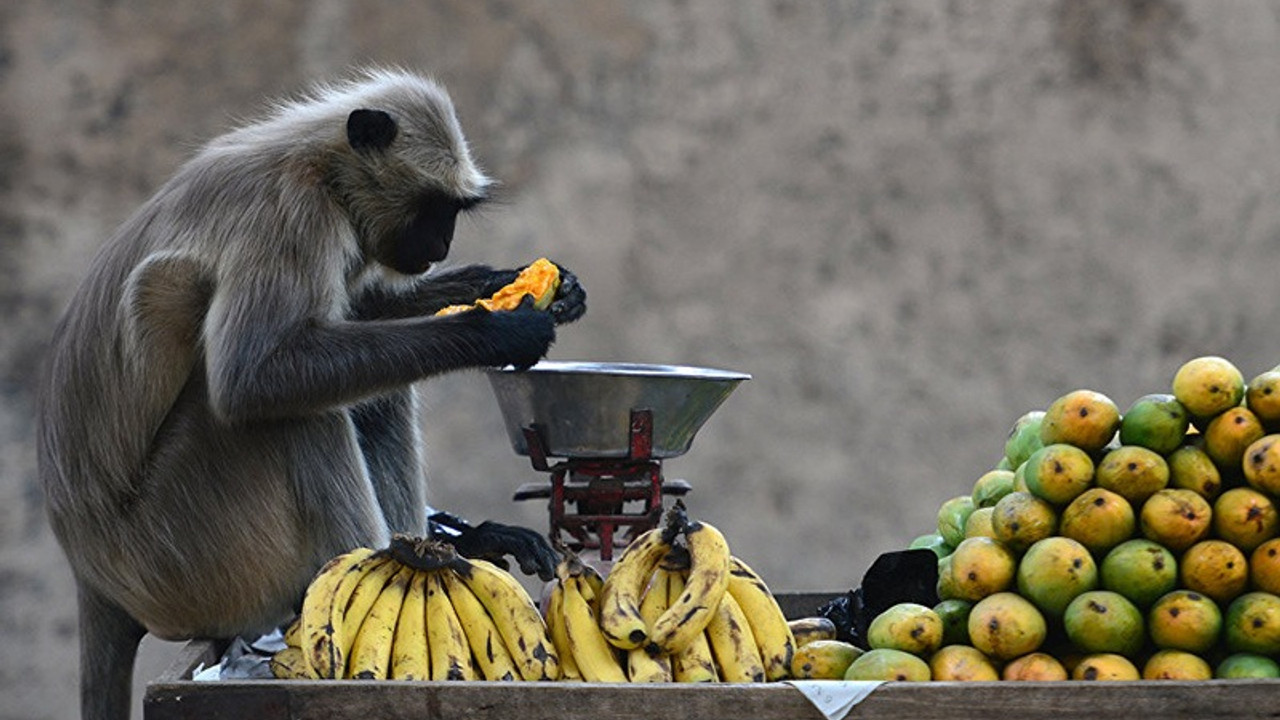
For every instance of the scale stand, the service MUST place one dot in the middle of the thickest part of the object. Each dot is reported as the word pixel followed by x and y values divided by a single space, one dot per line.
pixel 600 488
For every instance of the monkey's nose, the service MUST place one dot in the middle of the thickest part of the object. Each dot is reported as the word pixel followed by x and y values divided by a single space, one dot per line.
pixel 437 249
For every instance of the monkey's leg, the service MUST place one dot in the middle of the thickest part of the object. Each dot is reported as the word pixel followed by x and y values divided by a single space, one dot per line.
pixel 387 428
pixel 109 640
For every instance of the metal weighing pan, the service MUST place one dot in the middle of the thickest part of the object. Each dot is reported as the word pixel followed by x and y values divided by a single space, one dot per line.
pixel 583 409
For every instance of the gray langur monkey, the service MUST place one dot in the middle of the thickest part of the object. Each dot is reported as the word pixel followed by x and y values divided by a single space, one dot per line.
pixel 228 398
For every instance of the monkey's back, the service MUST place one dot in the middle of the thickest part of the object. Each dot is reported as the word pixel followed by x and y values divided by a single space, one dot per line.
pixel 132 457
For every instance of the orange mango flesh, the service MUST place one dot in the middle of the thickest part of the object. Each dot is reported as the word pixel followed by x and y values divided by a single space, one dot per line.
pixel 540 279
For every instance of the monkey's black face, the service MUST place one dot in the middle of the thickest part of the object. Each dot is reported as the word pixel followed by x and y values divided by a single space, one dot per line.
pixel 427 238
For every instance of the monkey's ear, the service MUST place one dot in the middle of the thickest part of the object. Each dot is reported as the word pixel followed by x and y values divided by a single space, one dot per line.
pixel 370 129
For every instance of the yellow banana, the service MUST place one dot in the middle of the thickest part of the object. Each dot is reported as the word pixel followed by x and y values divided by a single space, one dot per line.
pixel 324 645
pixel 823 660
pixel 410 654
pixel 350 617
pixel 595 657
pixel 620 597
pixel 807 629
pixel 370 657
pixel 289 664
pixel 641 666
pixel 768 624
pixel 592 586
pixel 492 657
pixel 694 663
pixel 556 629
pixel 516 616
pixel 706 583
pixel 292 633
pixel 732 644
pixel 450 653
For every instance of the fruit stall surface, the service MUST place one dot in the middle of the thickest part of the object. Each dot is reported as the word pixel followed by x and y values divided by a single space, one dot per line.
pixel 174 695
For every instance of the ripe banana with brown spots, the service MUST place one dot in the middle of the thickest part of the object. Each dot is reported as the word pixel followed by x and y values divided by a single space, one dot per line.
pixel 517 618
pixel 289 664
pixel 641 666
pixel 324 642
pixel 693 663
pixel 620 597
pixel 705 584
pixel 410 652
pixel 447 638
pixel 370 656
pixel 595 657
pixel 349 618
pixel 488 649
pixel 768 624
pixel 559 635
pixel 733 645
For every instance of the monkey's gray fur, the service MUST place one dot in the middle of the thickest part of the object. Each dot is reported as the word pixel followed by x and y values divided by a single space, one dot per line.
pixel 228 399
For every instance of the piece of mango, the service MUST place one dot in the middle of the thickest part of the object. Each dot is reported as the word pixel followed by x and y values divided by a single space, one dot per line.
pixel 541 279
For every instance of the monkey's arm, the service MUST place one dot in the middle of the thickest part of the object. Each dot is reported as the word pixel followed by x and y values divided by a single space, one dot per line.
pixel 463 286
pixel 457 286
pixel 270 358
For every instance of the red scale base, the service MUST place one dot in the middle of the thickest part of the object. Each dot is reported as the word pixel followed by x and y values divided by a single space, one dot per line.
pixel 599 490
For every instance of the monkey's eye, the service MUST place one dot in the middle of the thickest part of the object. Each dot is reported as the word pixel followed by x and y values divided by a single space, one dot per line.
pixel 468 203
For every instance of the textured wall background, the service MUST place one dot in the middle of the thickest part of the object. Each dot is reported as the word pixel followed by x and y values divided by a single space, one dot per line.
pixel 909 221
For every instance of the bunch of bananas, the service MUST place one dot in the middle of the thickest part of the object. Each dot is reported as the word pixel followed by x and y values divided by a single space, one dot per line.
pixel 669 613
pixel 416 611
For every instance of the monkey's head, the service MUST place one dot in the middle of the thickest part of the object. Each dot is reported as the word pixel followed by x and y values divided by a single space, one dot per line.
pixel 403 171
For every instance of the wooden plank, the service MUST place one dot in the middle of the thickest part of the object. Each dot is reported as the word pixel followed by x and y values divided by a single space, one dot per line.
pixel 362 700
pixel 1175 700
pixel 191 656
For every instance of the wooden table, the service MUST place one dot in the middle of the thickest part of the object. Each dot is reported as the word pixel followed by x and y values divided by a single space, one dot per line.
pixel 174 696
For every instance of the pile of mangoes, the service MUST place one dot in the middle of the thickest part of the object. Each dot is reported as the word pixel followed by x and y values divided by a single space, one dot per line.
pixel 1110 546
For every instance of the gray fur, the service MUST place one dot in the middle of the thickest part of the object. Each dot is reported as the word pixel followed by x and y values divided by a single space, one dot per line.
pixel 228 399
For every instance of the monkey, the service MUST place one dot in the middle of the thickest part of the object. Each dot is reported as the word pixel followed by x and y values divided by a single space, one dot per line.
pixel 228 399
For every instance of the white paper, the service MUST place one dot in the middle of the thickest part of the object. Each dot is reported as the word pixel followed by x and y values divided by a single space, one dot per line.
pixel 205 674
pixel 243 660
pixel 835 698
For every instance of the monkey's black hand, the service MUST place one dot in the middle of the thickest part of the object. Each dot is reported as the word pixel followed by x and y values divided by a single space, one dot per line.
pixel 494 541
pixel 519 337
pixel 497 280
pixel 571 298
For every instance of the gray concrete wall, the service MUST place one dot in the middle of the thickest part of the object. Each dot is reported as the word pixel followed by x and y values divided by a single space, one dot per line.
pixel 909 221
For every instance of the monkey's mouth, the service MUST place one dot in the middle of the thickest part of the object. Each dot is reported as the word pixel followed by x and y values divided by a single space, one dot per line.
pixel 427 238
pixel 420 247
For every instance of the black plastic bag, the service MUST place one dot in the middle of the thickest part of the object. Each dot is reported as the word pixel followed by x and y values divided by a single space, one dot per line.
pixel 895 577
